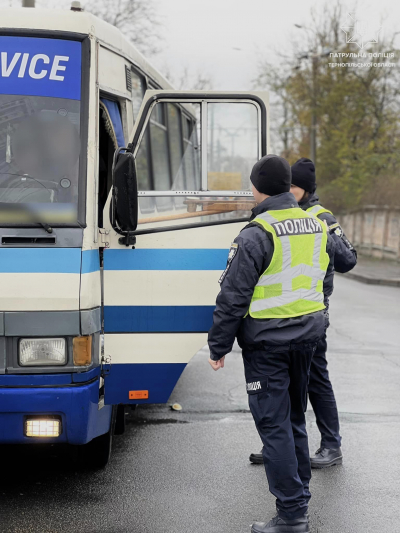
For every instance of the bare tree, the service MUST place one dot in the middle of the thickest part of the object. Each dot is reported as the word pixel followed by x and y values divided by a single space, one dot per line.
pixel 137 19
pixel 200 81
pixel 356 111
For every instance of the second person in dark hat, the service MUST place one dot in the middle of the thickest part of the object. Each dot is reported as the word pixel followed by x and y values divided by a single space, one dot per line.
pixel 320 389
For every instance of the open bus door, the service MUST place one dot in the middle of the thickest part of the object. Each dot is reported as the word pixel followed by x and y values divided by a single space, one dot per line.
pixel 189 157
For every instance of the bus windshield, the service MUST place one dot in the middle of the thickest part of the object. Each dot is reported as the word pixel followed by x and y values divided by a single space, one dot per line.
pixel 40 143
pixel 39 158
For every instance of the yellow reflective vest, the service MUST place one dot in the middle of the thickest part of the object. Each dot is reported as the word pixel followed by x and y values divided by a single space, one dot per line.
pixel 292 285
pixel 317 210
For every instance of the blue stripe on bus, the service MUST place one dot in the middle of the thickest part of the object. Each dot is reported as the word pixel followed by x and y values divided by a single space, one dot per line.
pixel 160 319
pixel 166 259
pixel 90 261
pixel 40 260
pixel 157 378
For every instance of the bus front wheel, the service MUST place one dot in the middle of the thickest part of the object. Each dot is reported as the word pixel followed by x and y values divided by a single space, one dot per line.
pixel 96 453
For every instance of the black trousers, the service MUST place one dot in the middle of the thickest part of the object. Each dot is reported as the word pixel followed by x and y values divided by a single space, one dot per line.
pixel 277 387
pixel 322 398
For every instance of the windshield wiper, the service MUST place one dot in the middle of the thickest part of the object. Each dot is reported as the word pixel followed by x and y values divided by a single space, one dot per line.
pixel 31 178
pixel 45 226
pixel 48 228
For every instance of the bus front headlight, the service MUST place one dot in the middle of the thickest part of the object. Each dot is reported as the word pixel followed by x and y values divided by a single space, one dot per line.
pixel 42 352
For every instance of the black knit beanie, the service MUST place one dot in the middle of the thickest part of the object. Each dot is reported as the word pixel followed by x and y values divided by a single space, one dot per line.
pixel 303 175
pixel 271 175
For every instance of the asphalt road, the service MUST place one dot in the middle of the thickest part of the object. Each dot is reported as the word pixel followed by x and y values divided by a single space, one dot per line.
pixel 188 471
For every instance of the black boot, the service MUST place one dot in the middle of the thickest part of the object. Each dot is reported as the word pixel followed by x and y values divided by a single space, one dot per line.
pixel 280 525
pixel 325 457
pixel 256 458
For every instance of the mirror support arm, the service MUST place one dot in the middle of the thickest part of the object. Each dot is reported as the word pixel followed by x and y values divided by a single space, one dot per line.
pixel 128 239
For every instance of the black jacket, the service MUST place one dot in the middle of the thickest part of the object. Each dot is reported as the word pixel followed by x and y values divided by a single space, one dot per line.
pixel 345 254
pixel 253 256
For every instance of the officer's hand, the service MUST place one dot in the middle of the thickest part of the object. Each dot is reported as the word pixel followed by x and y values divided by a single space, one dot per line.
pixel 216 365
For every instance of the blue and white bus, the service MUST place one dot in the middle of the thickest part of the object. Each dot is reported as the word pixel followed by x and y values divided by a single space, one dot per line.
pixel 119 198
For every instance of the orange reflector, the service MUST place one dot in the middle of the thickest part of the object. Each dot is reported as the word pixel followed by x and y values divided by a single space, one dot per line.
pixel 82 347
pixel 138 394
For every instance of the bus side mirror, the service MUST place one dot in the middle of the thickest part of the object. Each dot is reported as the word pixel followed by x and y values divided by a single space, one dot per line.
pixel 125 194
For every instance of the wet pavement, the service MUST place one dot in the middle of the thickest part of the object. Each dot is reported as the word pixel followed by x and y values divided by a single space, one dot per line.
pixel 188 471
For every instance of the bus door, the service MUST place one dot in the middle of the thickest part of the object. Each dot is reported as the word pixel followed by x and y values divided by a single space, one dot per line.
pixel 192 157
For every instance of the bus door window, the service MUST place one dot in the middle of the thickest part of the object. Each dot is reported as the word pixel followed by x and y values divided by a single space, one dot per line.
pixel 190 158
pixel 175 145
pixel 160 155
pixel 232 131
pixel 232 145
pixel 144 174
pixel 143 159
pixel 174 151
pixel 174 162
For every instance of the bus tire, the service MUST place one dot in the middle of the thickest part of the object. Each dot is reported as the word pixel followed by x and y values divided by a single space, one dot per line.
pixel 96 453
pixel 120 420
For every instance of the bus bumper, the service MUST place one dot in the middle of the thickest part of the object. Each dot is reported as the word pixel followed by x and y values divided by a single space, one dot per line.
pixel 78 406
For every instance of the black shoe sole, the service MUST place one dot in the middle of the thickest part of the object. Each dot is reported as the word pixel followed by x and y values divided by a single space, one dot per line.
pixel 333 462
pixel 256 460
pixel 294 529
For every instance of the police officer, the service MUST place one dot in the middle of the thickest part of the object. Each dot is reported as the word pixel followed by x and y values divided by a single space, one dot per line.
pixel 272 300
pixel 320 389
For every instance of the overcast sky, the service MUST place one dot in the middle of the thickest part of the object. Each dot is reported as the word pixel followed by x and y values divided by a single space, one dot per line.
pixel 226 38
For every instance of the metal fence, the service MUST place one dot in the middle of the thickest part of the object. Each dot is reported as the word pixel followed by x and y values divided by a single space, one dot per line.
pixel 374 230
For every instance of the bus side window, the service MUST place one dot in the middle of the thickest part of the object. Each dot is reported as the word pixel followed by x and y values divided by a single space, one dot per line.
pixel 138 89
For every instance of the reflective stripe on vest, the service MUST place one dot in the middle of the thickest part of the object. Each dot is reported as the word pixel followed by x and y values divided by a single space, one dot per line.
pixel 292 285
pixel 317 210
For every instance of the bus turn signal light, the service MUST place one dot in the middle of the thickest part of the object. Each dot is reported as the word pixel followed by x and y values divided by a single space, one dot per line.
pixel 138 394
pixel 82 350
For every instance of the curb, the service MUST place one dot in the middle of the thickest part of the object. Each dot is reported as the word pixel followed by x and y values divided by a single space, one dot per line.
pixel 389 282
